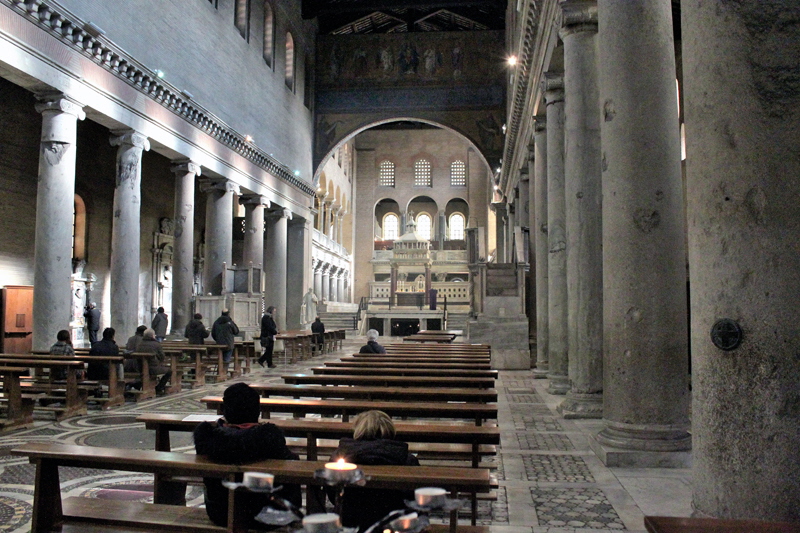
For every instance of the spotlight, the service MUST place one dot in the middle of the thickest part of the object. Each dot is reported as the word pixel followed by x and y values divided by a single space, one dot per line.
pixel 512 60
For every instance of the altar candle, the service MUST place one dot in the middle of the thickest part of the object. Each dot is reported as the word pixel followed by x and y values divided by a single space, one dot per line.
pixel 340 470
pixel 430 496
pixel 322 523
pixel 405 522
pixel 257 480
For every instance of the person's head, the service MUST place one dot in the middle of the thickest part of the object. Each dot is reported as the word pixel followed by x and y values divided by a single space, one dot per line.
pixel 140 330
pixel 149 334
pixel 108 334
pixel 317 320
pixel 241 404
pixel 92 305
pixel 371 425
pixel 160 309
pixel 372 335
pixel 225 312
pixel 198 316
pixel 63 336
pixel 271 310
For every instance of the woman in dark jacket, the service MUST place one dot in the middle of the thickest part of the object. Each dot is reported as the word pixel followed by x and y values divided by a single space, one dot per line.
pixel 149 344
pixel 223 332
pixel 372 444
pixel 195 330
pixel 268 331
pixel 239 439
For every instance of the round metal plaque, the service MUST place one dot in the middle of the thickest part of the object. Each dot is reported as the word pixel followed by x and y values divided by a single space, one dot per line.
pixel 726 334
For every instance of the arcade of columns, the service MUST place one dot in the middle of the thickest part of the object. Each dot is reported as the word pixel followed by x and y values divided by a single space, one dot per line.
pixel 331 272
pixel 52 300
pixel 610 224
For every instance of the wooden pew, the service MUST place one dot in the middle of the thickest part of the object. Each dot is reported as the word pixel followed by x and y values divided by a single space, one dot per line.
pixel 344 408
pixel 440 339
pixel 298 345
pixel 667 524
pixel 353 362
pixel 212 357
pixel 116 387
pixel 411 372
pixel 418 358
pixel 478 349
pixel 377 393
pixel 19 407
pixel 388 381
pixel 74 399
pixel 49 511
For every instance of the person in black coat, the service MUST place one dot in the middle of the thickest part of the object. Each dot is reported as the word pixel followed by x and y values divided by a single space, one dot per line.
pixel 372 444
pixel 196 331
pixel 92 316
pixel 223 332
pixel 268 331
pixel 372 345
pixel 107 346
pixel 238 439
pixel 318 329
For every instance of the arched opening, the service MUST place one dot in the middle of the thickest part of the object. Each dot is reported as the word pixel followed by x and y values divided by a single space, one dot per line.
pixel 289 73
pixel 269 35
pixel 456 226
pixel 387 223
pixel 242 18
pixel 424 226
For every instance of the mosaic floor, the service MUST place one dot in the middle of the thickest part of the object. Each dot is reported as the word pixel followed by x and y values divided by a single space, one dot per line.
pixel 550 480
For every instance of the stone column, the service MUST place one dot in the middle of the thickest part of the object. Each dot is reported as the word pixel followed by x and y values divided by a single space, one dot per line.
pixel 392 284
pixel 326 221
pixel 501 219
pixel 584 216
pixel 511 227
pixel 183 254
pixel 275 262
pixel 340 227
pixel 442 233
pixel 317 266
pixel 326 283
pixel 219 229
pixel 52 301
pixel 126 230
pixel 742 169
pixel 321 215
pixel 298 241
pixel 334 297
pixel 254 205
pixel 524 220
pixel 427 279
pixel 644 309
pixel 558 359
pixel 539 233
pixel 340 287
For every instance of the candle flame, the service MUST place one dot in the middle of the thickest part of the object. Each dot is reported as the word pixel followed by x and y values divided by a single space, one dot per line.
pixel 340 462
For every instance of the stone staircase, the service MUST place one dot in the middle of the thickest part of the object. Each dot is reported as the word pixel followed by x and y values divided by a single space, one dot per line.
pixel 501 279
pixel 457 321
pixel 338 320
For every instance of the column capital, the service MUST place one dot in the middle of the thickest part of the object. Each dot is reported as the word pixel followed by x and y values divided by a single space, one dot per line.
pixel 218 184
pixel 539 124
pixel 280 212
pixel 253 200
pixel 131 138
pixel 185 166
pixel 59 103
pixel 553 87
pixel 578 16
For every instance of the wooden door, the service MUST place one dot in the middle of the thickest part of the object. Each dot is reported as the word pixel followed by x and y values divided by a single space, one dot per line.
pixel 17 319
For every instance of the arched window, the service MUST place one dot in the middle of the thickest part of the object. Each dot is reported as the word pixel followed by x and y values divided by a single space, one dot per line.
pixel 422 173
pixel 386 174
pixel 289 61
pixel 79 229
pixel 424 226
pixel 456 226
pixel 269 35
pixel 241 18
pixel 458 174
pixel 391 227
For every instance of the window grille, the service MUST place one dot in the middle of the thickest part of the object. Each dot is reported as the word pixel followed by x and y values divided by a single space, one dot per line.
pixel 269 35
pixel 386 174
pixel 422 173
pixel 242 18
pixel 289 61
pixel 458 174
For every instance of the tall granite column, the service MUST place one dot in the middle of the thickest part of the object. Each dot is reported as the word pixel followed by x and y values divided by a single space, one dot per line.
pixel 254 205
pixel 326 282
pixel 742 112
pixel 183 252
pixel 219 230
pixel 334 296
pixel 317 266
pixel 501 219
pixel 584 216
pixel 644 307
pixel 539 231
pixel 126 230
pixel 553 86
pixel 275 262
pixel 52 300
pixel 340 287
pixel 441 234
pixel 298 240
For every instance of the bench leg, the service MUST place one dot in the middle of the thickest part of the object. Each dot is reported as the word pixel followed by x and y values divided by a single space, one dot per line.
pixel 47 513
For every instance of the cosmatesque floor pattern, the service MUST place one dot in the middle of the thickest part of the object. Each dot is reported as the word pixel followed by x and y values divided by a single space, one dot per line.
pixel 549 479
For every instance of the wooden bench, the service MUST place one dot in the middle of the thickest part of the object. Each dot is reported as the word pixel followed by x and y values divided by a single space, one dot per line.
pixel 389 381
pixel 418 358
pixel 380 370
pixel 49 512
pixel 298 345
pixel 213 357
pixel 377 393
pixel 74 400
pixel 442 339
pixel 353 362
pixel 345 408
pixel 18 406
pixel 667 524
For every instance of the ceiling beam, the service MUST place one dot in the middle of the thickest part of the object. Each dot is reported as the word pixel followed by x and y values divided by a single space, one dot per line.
pixel 314 8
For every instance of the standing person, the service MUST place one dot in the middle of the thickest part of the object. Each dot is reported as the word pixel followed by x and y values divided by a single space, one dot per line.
pixel 195 330
pixel 372 345
pixel 159 324
pixel 149 344
pixel 239 438
pixel 63 346
pixel 268 331
pixel 223 332
pixel 92 316
pixel 107 346
pixel 318 329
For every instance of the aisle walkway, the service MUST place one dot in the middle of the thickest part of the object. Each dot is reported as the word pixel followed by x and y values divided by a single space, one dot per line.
pixel 550 481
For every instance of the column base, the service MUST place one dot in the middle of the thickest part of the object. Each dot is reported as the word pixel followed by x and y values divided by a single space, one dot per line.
pixel 622 458
pixel 643 445
pixel 541 370
pixel 577 405
pixel 559 385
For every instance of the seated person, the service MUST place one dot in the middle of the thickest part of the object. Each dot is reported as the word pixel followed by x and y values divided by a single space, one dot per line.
pixel 372 345
pixel 237 439
pixel 63 346
pixel 149 344
pixel 106 346
pixel 196 331
pixel 372 444
pixel 131 365
pixel 318 329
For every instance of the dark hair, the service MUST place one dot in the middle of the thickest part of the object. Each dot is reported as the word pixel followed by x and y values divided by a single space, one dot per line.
pixel 270 309
pixel 108 333
pixel 160 309
pixel 63 335
pixel 140 330
pixel 241 404
pixel 198 316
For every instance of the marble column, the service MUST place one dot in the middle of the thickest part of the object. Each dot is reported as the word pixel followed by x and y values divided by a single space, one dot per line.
pixel 321 214
pixel 340 227
pixel 645 402
pixel 317 278
pixel 326 221
pixel 392 284
pixel 539 232
pixel 52 300
pixel 442 230
pixel 524 217
pixel 326 283
pixel 126 230
pixel 254 205
pixel 334 297
pixel 340 287
pixel 511 227
pixel 741 106
pixel 558 358
pixel 183 253
pixel 428 284
pixel 275 262
pixel 500 213
pixel 298 240
pixel 584 212
pixel 219 229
